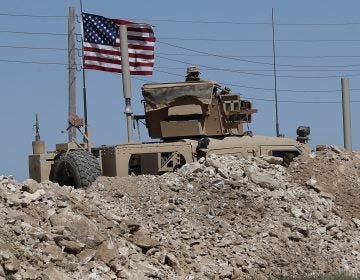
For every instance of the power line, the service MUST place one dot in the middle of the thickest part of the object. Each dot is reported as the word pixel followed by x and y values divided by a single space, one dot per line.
pixel 259 74
pixel 289 90
pixel 214 55
pixel 33 33
pixel 35 62
pixel 199 21
pixel 260 40
pixel 33 16
pixel 173 74
pixel 166 72
pixel 239 59
pixel 281 65
pixel 33 48
pixel 268 56
pixel 248 23
pixel 269 70
pixel 265 89
pixel 300 102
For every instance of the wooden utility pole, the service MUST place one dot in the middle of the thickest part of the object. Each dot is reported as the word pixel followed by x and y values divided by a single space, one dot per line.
pixel 72 70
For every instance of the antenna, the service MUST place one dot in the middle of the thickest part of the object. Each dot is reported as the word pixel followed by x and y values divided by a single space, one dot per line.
pixel 37 128
pixel 275 85
pixel 37 145
pixel 87 134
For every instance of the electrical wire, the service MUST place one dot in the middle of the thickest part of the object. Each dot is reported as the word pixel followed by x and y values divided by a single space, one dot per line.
pixel 33 48
pixel 269 56
pixel 272 100
pixel 268 70
pixel 280 65
pixel 204 53
pixel 34 33
pixel 259 74
pixel 289 90
pixel 35 62
pixel 33 16
pixel 209 68
pixel 199 21
pixel 148 81
pixel 251 61
pixel 247 23
pixel 260 40
pixel 282 90
pixel 300 102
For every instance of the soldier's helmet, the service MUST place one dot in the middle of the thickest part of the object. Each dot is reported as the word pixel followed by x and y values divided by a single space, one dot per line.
pixel 192 74
pixel 192 69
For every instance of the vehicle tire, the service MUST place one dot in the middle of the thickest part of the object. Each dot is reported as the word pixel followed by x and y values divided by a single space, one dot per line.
pixel 77 168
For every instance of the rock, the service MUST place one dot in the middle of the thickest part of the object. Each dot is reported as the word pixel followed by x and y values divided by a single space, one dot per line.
pixel 225 273
pixel 86 255
pixel 27 198
pixel 54 274
pixel 264 180
pixel 327 196
pixel 296 236
pixel 79 226
pixel 71 247
pixel 356 222
pixel 272 159
pixel 321 148
pixel 53 251
pixel 221 222
pixel 313 184
pixel 304 231
pixel 144 242
pixel 172 261
pixel 30 186
pixel 106 252
pixel 11 264
pixel 297 212
pixel 31 273
pixel 130 225
pixel 211 161
pixel 336 149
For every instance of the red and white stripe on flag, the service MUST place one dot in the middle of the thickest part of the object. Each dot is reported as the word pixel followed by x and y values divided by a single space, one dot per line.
pixel 99 55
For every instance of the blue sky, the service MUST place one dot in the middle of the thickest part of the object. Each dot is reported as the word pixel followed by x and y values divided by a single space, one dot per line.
pixel 317 43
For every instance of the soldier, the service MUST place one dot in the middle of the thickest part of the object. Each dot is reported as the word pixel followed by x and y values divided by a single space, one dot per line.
pixel 192 74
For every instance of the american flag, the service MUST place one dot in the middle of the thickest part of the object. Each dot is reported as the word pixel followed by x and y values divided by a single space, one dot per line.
pixel 102 45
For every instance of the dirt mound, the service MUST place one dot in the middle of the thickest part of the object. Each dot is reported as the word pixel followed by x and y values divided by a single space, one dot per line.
pixel 335 171
pixel 219 218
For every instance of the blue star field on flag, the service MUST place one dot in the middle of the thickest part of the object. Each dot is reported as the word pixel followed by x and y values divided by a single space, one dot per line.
pixel 99 30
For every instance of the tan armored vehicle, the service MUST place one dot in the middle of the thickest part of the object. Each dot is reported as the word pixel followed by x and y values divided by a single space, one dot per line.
pixel 192 119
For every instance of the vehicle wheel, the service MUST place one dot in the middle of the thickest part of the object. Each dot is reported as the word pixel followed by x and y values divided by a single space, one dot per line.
pixel 75 168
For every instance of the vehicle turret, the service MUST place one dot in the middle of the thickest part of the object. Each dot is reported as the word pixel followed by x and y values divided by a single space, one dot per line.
pixel 194 109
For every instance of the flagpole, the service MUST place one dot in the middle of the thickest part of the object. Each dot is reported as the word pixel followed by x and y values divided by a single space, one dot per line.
pixel 126 78
pixel 87 136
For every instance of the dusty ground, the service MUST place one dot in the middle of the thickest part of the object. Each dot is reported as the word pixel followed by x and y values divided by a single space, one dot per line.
pixel 220 218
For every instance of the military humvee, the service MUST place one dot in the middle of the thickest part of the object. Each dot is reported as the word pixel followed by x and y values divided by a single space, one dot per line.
pixel 192 119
